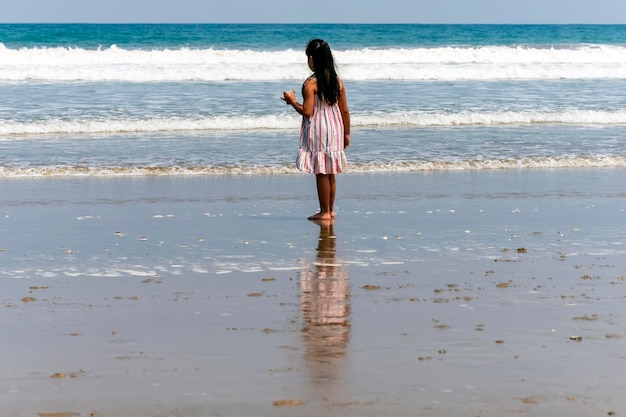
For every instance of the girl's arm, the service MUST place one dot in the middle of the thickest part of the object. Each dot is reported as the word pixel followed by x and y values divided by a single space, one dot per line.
pixel 308 92
pixel 345 115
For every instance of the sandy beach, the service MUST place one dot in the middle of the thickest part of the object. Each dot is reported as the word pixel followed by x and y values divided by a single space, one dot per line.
pixel 487 293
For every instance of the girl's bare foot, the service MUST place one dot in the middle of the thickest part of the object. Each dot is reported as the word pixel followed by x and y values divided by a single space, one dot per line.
pixel 332 214
pixel 320 216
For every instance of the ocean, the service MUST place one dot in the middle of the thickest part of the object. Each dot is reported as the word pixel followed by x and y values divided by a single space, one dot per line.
pixel 155 99
pixel 155 257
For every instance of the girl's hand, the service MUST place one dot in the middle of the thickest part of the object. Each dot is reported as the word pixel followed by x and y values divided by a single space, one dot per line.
pixel 346 140
pixel 289 97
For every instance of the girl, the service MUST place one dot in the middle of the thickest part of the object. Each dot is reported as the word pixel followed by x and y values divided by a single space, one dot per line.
pixel 325 131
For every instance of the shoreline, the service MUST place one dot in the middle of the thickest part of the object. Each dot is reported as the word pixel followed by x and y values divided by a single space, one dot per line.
pixel 438 294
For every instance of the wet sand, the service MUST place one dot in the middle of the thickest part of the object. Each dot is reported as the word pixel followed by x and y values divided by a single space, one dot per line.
pixel 495 293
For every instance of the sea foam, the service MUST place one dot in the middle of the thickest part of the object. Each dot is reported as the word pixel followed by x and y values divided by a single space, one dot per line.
pixel 66 64
pixel 12 129
pixel 599 161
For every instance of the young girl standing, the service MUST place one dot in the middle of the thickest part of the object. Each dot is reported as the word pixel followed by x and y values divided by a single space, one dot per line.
pixel 325 131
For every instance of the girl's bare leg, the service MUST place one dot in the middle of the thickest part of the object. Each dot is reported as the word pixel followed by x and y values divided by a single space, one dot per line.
pixel 323 194
pixel 333 189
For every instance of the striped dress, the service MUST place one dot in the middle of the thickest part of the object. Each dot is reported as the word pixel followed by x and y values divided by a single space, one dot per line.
pixel 321 140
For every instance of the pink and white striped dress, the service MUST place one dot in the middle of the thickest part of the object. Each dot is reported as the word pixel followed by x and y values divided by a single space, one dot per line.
pixel 321 140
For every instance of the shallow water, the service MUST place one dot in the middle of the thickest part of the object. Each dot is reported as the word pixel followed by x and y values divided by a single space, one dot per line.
pixel 144 100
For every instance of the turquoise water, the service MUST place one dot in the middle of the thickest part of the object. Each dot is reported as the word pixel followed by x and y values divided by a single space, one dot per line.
pixel 204 99
pixel 279 36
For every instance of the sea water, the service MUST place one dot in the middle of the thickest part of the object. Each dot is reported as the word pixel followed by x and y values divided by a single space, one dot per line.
pixel 137 100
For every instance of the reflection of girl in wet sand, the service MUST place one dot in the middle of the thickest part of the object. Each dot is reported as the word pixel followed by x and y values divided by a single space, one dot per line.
pixel 325 303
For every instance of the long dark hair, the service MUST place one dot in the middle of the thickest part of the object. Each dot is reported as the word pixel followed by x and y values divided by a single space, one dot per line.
pixel 328 88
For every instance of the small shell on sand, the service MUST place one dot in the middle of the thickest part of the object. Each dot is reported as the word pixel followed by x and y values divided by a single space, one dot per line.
pixel 283 403
pixel 255 294
pixel 369 287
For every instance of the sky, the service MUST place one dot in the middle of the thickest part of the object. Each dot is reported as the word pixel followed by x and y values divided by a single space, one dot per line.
pixel 320 11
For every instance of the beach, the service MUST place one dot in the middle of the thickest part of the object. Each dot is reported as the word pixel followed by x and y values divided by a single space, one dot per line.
pixel 156 260
pixel 469 293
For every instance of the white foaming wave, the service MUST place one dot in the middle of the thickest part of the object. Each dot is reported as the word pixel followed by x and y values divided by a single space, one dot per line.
pixel 185 64
pixel 599 161
pixel 421 119
pixel 487 63
pixel 151 125
pixel 10 128
pixel 117 64
pixel 140 171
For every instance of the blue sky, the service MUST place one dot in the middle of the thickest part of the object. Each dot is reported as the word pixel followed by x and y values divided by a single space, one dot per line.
pixel 321 11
